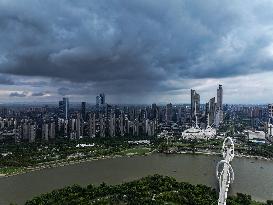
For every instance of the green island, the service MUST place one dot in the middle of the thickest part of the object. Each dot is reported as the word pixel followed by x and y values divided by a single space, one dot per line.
pixel 150 190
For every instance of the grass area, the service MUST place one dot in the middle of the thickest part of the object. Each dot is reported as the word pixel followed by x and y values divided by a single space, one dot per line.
pixel 11 170
pixel 138 151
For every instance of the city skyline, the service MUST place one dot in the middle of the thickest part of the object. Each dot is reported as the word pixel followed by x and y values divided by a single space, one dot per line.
pixel 136 102
pixel 194 102
pixel 157 51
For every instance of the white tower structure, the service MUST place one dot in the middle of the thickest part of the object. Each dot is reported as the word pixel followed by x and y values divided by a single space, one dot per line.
pixel 226 174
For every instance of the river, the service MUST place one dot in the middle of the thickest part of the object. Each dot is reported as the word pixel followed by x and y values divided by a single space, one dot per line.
pixel 254 177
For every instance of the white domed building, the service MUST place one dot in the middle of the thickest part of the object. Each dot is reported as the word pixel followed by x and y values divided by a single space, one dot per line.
pixel 196 132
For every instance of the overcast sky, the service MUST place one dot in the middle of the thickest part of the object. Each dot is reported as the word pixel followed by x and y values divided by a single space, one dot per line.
pixel 137 51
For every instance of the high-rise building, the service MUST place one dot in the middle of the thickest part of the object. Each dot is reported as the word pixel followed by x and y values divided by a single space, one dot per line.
pixel 112 127
pixel 28 130
pixel 121 124
pixel 136 128
pixel 97 100
pixel 24 131
pixel 92 125
pixel 45 131
pixel 195 103
pixel 147 126
pixel 78 126
pixel 270 110
pixel 219 115
pixel 154 112
pixel 102 97
pixel 269 130
pixel 126 125
pixel 32 132
pixel 102 125
pixel 169 113
pixel 220 98
pixel 51 130
pixel 150 127
pixel 64 108
pixel 100 100
pixel 65 130
pixel 210 111
pixel 83 110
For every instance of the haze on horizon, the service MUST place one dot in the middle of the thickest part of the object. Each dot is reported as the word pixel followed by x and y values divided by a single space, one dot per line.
pixel 138 51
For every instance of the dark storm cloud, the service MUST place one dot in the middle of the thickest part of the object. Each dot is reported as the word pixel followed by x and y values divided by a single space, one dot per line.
pixel 18 94
pixel 133 46
pixel 39 94
pixel 32 83
pixel 64 91
pixel 6 80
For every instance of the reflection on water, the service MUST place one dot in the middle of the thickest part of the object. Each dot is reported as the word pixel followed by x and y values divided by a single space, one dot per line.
pixel 251 178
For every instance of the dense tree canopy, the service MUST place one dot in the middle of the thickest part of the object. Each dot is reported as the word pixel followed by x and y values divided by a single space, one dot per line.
pixel 151 190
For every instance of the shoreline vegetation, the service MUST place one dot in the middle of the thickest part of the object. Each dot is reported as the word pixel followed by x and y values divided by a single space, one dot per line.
pixel 154 190
pixel 22 158
pixel 13 171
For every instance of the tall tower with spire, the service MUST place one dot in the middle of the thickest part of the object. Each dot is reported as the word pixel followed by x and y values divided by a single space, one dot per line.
pixel 219 107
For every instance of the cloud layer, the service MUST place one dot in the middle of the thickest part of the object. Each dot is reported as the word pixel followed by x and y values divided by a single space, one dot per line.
pixel 128 48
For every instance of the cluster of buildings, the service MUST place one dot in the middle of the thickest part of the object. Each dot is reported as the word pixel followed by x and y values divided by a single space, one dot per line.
pixel 101 120
pixel 213 109
pixel 269 127
pixel 213 114
pixel 187 121
pixel 104 120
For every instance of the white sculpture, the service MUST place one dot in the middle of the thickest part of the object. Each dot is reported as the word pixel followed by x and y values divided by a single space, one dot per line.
pixel 226 175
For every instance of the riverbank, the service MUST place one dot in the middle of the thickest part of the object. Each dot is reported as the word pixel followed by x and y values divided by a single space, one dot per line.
pixel 220 154
pixel 62 163
pixel 194 169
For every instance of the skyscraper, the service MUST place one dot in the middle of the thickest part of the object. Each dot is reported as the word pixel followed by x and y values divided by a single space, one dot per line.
pixel 195 103
pixel 97 100
pixel 154 112
pixel 121 124
pixel 65 130
pixel 51 131
pixel 270 110
pixel 219 116
pixel 220 98
pixel 210 111
pixel 112 126
pixel 102 97
pixel 100 100
pixel 45 131
pixel 83 110
pixel 169 113
pixel 92 125
pixel 78 126
pixel 64 108
pixel 102 125
pixel 32 132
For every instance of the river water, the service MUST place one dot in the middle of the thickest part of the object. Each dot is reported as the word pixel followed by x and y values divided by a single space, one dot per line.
pixel 254 177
